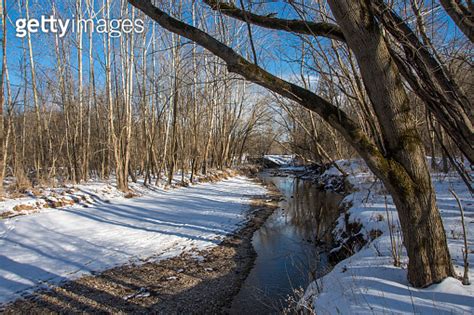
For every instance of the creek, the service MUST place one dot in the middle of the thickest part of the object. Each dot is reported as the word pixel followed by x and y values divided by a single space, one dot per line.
pixel 288 254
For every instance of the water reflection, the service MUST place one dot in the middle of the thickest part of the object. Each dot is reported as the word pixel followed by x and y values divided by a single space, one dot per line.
pixel 287 256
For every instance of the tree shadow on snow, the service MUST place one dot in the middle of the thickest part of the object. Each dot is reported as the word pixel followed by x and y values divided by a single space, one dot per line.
pixel 177 285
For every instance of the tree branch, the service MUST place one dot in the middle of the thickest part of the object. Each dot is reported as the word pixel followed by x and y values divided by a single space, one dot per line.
pixel 328 30
pixel 447 101
pixel 237 64
pixel 461 15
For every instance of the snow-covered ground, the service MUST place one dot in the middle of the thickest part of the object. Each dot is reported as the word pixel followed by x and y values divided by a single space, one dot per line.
pixel 105 229
pixel 280 159
pixel 368 283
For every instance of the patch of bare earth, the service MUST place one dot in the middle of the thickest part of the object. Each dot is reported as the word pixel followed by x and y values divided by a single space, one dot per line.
pixel 194 282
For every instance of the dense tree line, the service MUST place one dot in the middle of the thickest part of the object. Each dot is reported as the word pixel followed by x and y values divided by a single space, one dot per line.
pixel 141 104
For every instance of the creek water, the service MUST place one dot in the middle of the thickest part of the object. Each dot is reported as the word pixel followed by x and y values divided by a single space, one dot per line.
pixel 287 255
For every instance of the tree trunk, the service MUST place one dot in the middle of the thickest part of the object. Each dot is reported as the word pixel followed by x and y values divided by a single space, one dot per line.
pixel 2 90
pixel 407 176
pixel 433 82
pixel 40 161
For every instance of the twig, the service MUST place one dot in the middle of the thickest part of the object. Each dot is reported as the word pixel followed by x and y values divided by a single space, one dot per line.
pixel 395 254
pixel 465 278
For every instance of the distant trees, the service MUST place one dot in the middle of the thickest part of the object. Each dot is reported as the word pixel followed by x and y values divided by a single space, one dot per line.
pixel 100 105
pixel 389 140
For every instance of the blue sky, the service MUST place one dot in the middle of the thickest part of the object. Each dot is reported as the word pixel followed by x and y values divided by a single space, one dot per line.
pixel 274 48
pixel 43 44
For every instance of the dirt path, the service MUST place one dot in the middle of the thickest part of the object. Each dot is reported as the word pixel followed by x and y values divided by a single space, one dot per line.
pixel 194 282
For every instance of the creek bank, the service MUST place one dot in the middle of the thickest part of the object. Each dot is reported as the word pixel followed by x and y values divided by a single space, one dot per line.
pixel 368 282
pixel 340 242
pixel 348 239
pixel 324 176
pixel 197 281
pixel 294 243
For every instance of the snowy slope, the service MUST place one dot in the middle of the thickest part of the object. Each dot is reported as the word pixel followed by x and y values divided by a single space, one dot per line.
pixel 368 283
pixel 280 159
pixel 56 244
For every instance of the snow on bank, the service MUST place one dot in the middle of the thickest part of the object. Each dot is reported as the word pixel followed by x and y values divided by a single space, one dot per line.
pixel 367 282
pixel 40 249
pixel 280 159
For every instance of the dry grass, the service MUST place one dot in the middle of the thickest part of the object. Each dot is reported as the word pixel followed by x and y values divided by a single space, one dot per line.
pixel 23 207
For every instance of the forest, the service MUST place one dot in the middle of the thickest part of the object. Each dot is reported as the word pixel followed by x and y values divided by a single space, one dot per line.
pixel 134 110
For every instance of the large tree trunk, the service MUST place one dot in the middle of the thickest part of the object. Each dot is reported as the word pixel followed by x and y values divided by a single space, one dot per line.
pixel 407 176
pixel 430 79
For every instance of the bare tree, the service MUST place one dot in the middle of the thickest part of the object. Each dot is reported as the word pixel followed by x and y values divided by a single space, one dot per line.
pixel 2 88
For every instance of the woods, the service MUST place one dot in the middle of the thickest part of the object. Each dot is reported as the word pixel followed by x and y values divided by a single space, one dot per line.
pixel 118 105
pixel 206 84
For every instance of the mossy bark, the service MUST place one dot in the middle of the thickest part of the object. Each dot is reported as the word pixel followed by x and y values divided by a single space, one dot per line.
pixel 403 167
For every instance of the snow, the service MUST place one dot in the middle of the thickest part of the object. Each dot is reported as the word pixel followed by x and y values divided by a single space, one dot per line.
pixel 368 282
pixel 43 248
pixel 280 159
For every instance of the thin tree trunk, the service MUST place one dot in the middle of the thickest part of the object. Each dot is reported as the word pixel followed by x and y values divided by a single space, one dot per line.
pixel 2 91
pixel 39 142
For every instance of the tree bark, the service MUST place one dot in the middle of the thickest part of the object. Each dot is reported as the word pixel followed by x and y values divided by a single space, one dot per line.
pixel 412 192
